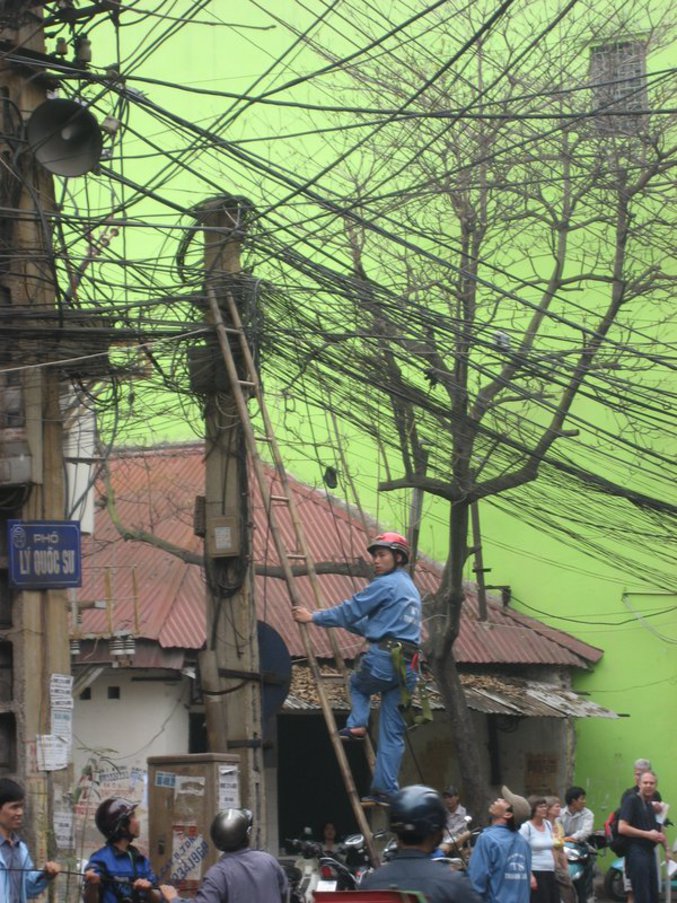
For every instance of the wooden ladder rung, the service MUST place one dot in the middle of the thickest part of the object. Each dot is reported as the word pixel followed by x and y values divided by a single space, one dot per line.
pixel 246 382
pixel 280 498
pixel 297 555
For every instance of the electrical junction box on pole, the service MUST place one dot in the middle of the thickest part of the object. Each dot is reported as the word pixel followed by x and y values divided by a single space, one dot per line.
pixel 184 794
pixel 43 554
pixel 223 536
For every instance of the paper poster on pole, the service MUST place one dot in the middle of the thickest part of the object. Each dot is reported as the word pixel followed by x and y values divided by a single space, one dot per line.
pixel 61 691
pixel 52 753
pixel 62 725
pixel 229 787
pixel 62 823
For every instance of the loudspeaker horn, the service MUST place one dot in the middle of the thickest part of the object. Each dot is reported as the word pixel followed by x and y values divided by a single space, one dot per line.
pixel 65 137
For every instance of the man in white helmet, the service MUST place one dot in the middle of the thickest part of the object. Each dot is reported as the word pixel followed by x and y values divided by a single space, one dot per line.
pixel 387 613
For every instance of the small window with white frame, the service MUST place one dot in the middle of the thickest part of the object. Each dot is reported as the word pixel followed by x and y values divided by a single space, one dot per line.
pixel 618 80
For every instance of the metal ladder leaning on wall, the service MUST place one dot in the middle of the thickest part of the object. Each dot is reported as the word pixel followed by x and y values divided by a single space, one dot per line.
pixel 301 553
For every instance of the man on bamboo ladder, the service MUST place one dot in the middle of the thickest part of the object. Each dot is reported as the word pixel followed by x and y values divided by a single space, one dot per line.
pixel 387 613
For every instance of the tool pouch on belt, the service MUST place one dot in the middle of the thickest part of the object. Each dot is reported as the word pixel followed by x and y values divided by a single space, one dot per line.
pixel 411 717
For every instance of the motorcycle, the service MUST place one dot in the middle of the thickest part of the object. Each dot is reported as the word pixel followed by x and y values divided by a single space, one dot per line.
pixel 356 854
pixel 294 876
pixel 348 869
pixel 317 870
pixel 613 880
pixel 456 848
pixel 335 875
pixel 581 863
pixel 303 873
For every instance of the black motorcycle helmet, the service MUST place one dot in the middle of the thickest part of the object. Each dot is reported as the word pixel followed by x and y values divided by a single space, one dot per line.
pixel 230 829
pixel 112 818
pixel 416 812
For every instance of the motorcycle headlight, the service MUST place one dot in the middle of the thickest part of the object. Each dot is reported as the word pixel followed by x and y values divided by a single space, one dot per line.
pixel 572 855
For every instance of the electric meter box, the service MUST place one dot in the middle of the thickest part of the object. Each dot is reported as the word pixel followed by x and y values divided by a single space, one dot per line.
pixel 184 794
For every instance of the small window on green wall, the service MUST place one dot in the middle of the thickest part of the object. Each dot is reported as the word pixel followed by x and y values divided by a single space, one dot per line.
pixel 618 80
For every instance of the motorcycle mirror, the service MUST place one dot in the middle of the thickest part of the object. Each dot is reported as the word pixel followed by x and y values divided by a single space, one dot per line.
pixel 353 840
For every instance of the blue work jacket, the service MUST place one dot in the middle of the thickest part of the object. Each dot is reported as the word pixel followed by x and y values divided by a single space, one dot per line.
pixel 500 866
pixel 390 606
pixel 119 869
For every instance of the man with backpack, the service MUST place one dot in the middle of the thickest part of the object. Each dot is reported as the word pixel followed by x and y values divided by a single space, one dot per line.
pixel 618 843
pixel 637 823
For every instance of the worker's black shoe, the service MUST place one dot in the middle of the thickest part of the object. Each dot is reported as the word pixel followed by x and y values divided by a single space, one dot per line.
pixel 348 734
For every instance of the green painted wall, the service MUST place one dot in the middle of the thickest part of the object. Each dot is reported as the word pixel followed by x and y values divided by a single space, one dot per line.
pixel 638 672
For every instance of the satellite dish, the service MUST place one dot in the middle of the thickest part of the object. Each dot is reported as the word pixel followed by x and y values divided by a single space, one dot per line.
pixel 64 137
pixel 275 665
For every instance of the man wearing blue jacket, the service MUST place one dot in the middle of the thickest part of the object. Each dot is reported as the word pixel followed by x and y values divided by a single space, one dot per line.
pixel 418 817
pixel 118 872
pixel 387 613
pixel 19 879
pixel 500 865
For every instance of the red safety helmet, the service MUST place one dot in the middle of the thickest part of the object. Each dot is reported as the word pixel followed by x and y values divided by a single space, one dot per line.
pixel 112 817
pixel 393 541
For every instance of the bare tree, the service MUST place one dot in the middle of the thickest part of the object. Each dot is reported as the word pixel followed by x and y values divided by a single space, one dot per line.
pixel 505 224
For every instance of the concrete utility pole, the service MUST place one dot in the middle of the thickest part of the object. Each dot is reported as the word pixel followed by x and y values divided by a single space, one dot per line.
pixel 229 667
pixel 34 623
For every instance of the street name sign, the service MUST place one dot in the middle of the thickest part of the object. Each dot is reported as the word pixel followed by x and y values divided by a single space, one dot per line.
pixel 44 554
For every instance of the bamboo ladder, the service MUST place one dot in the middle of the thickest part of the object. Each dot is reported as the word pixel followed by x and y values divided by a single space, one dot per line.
pixel 301 553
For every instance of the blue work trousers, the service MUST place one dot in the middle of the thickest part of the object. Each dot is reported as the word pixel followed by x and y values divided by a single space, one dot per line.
pixel 376 675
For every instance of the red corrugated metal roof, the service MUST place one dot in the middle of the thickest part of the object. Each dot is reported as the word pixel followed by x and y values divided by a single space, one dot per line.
pixel 156 595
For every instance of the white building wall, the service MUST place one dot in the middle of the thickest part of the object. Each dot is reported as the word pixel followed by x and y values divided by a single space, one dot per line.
pixel 150 718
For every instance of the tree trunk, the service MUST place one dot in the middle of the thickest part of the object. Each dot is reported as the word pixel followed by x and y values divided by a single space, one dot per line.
pixel 463 735
pixel 445 610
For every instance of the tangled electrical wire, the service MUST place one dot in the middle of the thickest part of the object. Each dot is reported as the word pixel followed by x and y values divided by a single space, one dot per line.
pixel 462 250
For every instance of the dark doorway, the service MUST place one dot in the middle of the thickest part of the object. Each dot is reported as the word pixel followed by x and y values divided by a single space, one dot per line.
pixel 309 784
pixel 197 733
